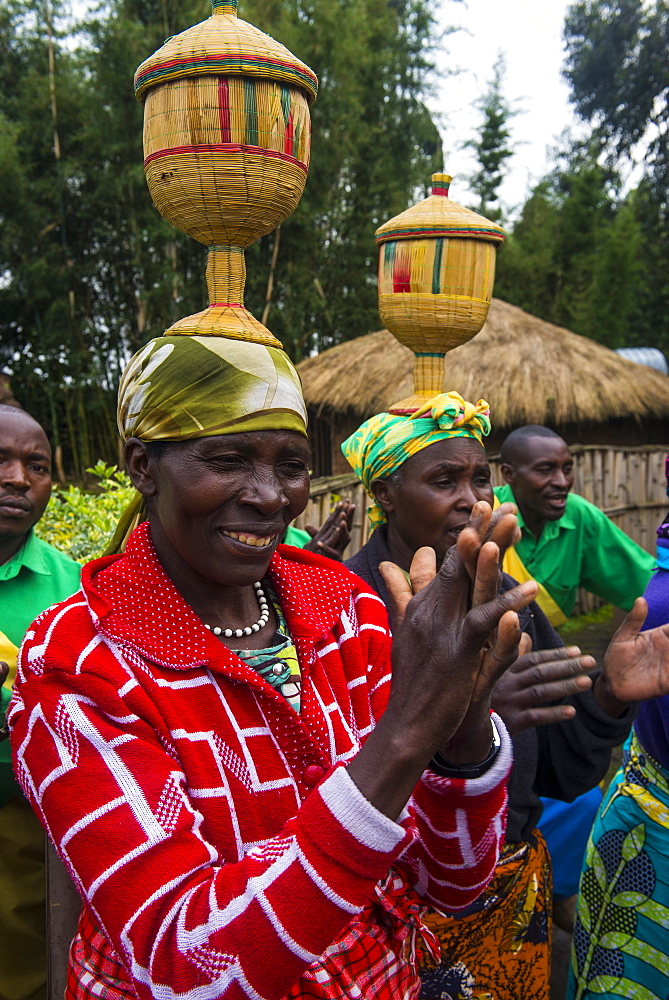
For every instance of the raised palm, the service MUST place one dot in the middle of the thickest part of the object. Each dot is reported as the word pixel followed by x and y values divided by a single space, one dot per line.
pixel 636 664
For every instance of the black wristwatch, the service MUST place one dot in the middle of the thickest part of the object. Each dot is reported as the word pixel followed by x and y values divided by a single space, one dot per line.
pixel 447 769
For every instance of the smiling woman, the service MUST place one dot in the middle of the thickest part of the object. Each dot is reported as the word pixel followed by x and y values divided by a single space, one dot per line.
pixel 219 508
pixel 247 805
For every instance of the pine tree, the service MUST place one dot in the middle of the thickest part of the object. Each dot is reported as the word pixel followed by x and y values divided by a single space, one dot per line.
pixel 492 146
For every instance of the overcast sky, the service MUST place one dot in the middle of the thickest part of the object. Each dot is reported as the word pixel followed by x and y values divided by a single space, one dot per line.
pixel 529 33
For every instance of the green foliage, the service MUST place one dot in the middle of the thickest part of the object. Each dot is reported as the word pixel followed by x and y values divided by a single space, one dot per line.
pixel 617 65
pixel 81 523
pixel 575 256
pixel 90 269
pixel 373 144
pixel 492 144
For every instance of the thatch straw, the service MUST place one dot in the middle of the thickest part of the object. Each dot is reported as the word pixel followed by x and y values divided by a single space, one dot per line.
pixel 530 371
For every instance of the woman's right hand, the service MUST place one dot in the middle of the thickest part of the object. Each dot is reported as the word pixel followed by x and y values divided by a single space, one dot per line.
pixel 452 641
pixel 451 646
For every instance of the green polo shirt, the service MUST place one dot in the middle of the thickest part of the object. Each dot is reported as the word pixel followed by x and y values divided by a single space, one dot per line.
pixel 30 582
pixel 583 548
pixel 295 536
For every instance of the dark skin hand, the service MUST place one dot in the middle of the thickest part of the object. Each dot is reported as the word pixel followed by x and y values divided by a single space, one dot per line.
pixel 447 656
pixel 486 525
pixel 521 694
pixel 334 534
pixel 636 664
pixel 536 678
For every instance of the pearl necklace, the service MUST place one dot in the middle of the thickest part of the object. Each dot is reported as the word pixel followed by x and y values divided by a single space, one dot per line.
pixel 239 632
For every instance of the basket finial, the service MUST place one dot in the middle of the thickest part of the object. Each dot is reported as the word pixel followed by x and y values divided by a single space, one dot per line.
pixel 228 7
pixel 441 183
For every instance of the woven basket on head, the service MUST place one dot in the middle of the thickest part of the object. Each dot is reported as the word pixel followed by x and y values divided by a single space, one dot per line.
pixel 436 274
pixel 227 137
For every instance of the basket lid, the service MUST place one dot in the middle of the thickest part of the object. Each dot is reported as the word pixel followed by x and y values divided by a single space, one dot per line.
pixel 223 45
pixel 439 216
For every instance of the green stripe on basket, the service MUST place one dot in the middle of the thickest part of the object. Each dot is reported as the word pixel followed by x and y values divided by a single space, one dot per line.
pixel 285 103
pixel 389 252
pixel 436 269
pixel 442 231
pixel 234 63
pixel 429 354
pixel 226 6
pixel 251 112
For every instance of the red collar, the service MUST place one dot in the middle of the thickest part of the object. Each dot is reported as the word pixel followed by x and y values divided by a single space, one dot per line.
pixel 135 603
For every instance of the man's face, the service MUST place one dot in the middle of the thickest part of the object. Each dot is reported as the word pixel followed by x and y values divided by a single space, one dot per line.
pixel 542 478
pixel 25 474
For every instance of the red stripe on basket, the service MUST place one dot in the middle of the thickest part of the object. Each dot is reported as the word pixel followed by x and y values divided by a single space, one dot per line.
pixel 225 305
pixel 402 274
pixel 227 147
pixel 224 109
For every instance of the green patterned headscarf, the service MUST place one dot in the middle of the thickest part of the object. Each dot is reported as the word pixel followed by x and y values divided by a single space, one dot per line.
pixel 384 442
pixel 180 388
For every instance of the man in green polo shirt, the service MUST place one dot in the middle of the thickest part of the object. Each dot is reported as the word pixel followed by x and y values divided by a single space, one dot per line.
pixel 566 541
pixel 33 576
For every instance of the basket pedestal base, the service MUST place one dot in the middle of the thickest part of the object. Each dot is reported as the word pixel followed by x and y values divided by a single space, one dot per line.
pixel 226 315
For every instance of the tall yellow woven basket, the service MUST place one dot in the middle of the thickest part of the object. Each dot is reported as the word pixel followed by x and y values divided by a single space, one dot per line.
pixel 227 138
pixel 436 274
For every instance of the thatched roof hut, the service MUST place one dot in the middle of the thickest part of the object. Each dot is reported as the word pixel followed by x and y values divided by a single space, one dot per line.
pixel 530 371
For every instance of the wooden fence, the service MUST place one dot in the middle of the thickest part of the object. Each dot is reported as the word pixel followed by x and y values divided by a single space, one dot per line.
pixel 628 484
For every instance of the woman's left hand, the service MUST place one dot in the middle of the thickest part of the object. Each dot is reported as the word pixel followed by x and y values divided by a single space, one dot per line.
pixel 524 696
pixel 334 534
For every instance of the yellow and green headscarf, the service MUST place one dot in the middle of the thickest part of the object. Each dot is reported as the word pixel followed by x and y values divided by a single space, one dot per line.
pixel 183 387
pixel 384 442
pixel 179 388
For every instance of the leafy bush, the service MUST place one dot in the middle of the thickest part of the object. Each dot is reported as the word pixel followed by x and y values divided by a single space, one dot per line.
pixel 81 523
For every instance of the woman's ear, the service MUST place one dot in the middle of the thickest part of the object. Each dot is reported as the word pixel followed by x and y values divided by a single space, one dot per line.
pixel 140 467
pixel 383 494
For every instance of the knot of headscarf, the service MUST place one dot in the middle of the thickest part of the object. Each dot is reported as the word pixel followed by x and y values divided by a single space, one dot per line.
pixel 384 442
pixel 180 388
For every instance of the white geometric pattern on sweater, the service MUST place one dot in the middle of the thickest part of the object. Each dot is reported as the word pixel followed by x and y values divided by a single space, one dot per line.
pixel 178 742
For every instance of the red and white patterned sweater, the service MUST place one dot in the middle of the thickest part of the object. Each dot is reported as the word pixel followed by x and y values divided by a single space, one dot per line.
pixel 215 836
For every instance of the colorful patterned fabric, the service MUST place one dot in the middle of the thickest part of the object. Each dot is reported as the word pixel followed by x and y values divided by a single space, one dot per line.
pixel 278 662
pixel 215 834
pixel 621 937
pixel 384 442
pixel 179 388
pixel 498 948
